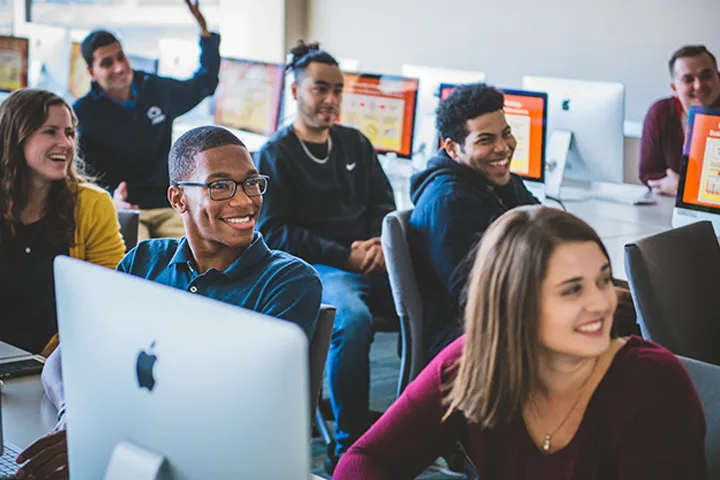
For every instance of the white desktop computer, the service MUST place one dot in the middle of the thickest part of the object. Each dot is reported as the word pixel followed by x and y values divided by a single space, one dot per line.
pixel 698 196
pixel 586 140
pixel 594 113
pixel 49 56
pixel 428 96
pixel 161 383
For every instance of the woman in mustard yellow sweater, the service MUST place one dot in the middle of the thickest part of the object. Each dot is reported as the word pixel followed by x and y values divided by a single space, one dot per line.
pixel 46 209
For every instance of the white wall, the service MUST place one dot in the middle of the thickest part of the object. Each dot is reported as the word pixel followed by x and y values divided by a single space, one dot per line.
pixel 620 40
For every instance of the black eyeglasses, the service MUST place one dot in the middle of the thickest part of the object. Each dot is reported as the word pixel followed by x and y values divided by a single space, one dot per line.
pixel 225 189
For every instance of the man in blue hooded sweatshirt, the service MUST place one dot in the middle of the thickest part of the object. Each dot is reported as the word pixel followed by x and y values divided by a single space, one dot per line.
pixel 465 187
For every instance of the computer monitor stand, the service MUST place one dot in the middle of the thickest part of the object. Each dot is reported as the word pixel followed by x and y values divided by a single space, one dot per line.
pixel 133 461
pixel 558 150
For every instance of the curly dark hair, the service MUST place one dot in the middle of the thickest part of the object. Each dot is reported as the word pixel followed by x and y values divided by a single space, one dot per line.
pixel 21 115
pixel 303 54
pixel 465 103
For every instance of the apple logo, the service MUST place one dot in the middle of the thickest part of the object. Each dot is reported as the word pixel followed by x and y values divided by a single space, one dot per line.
pixel 144 368
pixel 566 104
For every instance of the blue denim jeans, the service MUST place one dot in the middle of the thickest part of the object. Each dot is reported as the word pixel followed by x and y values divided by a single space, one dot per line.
pixel 357 298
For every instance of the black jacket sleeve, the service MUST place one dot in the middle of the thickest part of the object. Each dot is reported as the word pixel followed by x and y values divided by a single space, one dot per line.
pixel 276 221
pixel 186 94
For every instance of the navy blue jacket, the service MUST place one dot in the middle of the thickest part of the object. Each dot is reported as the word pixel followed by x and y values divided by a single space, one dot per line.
pixel 132 145
pixel 454 205
pixel 316 211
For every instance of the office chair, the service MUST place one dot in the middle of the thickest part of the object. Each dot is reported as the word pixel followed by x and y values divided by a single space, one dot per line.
pixel 129 222
pixel 706 378
pixel 406 295
pixel 318 350
pixel 674 277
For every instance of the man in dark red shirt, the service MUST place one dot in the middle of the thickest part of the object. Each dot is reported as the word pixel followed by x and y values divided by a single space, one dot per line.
pixel 695 81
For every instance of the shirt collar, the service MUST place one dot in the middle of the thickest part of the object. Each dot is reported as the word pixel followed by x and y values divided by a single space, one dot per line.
pixel 255 253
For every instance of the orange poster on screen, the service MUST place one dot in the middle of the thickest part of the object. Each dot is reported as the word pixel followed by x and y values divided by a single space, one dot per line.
pixel 248 95
pixel 702 179
pixel 383 108
pixel 525 115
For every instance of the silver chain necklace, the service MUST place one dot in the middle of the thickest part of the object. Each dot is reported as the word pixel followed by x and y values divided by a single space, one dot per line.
pixel 321 161
pixel 548 436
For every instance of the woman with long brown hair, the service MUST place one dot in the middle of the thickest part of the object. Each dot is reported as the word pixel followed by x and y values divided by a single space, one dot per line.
pixel 46 209
pixel 539 387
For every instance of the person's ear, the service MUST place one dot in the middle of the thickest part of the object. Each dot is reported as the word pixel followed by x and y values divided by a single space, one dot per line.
pixel 176 197
pixel 294 87
pixel 452 148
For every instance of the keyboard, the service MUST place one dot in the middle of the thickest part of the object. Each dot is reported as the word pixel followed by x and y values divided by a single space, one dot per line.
pixel 8 467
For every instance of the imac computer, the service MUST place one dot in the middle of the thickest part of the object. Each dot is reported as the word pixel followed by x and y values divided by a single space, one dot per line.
pixel 249 95
pixel 164 384
pixel 526 113
pixel 383 108
pixel 49 52
pixel 430 80
pixel 698 196
pixel 585 127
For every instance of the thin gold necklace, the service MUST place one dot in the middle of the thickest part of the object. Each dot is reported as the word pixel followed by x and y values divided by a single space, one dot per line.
pixel 547 441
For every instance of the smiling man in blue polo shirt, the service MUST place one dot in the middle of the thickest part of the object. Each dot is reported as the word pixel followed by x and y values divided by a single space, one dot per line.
pixel 218 193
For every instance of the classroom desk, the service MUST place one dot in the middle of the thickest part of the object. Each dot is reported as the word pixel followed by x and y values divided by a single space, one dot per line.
pixel 26 413
pixel 619 224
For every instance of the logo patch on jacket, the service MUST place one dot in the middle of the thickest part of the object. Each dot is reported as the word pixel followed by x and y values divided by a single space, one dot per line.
pixel 155 115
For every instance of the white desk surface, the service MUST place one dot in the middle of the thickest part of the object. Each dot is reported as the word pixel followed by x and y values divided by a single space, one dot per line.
pixel 619 224
pixel 26 413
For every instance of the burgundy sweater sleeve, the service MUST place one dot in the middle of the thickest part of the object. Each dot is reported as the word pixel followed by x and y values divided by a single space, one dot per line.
pixel 652 156
pixel 411 434
pixel 666 437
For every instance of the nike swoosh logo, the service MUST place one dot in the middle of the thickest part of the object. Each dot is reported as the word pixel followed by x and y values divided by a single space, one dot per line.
pixel 351 166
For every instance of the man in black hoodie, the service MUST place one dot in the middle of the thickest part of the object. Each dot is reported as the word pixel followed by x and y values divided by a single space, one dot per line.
pixel 465 187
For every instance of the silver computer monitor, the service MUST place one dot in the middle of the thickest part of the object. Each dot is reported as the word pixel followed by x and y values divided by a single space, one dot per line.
pixel 594 112
pixel 218 391
pixel 49 56
pixel 698 196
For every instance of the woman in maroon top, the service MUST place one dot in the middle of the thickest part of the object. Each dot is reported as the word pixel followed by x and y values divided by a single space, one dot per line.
pixel 539 388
